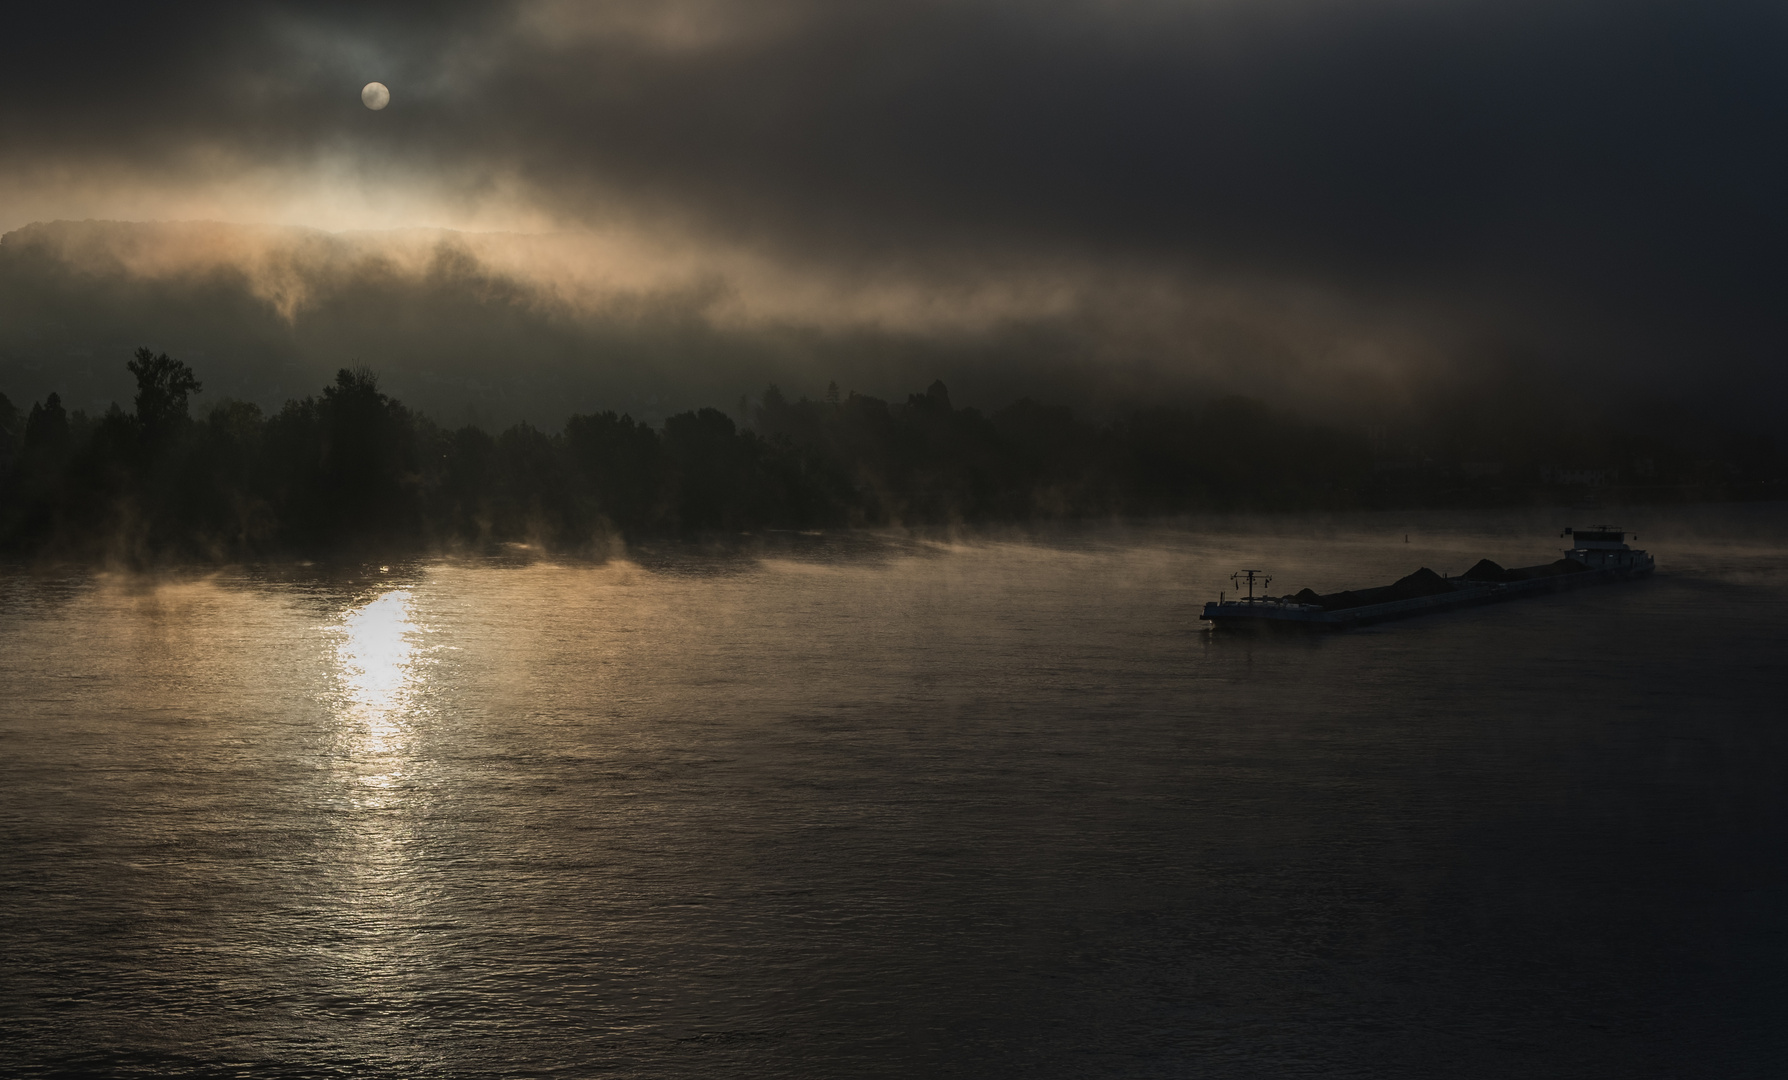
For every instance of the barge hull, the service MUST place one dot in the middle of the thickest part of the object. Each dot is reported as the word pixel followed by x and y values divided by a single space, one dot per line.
pixel 1268 615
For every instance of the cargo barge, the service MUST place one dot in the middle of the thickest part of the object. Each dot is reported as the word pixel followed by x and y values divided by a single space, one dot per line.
pixel 1597 556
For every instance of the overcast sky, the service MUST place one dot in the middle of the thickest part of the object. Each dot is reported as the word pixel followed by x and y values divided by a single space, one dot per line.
pixel 1295 193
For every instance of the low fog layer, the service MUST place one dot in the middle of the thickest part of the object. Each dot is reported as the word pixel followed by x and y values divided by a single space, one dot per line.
pixel 1346 207
pixel 508 326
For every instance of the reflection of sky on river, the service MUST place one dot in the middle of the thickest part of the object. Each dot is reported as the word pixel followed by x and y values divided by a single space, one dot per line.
pixel 978 809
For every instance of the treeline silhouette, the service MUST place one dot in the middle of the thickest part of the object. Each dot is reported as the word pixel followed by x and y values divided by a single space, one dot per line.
pixel 352 468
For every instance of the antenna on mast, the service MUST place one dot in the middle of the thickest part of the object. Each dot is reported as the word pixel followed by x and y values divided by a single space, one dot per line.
pixel 1247 578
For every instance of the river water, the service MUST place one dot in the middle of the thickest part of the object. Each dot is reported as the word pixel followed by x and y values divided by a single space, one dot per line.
pixel 863 805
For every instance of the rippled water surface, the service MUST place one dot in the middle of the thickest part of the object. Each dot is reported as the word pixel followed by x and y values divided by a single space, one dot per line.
pixel 865 806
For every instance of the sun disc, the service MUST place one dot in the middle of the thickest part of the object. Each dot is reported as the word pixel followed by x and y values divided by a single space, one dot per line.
pixel 374 96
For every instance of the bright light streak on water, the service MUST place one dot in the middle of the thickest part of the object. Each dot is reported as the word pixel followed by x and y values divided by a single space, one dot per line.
pixel 375 653
pixel 376 656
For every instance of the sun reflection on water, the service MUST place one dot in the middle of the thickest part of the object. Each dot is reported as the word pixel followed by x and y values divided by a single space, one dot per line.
pixel 376 659
pixel 379 700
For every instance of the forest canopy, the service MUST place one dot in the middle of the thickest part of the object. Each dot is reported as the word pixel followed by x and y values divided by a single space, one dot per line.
pixel 352 469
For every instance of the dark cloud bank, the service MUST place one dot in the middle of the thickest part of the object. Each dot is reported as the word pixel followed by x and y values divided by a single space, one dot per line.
pixel 1356 209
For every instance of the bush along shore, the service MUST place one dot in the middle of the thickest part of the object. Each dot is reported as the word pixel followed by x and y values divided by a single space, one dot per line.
pixel 352 470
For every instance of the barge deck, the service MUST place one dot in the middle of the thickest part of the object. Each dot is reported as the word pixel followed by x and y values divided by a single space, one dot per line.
pixel 1599 556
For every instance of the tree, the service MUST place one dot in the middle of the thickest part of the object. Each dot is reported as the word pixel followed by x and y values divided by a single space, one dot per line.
pixel 709 463
pixel 162 386
pixel 46 429
pixel 12 437
pixel 368 469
